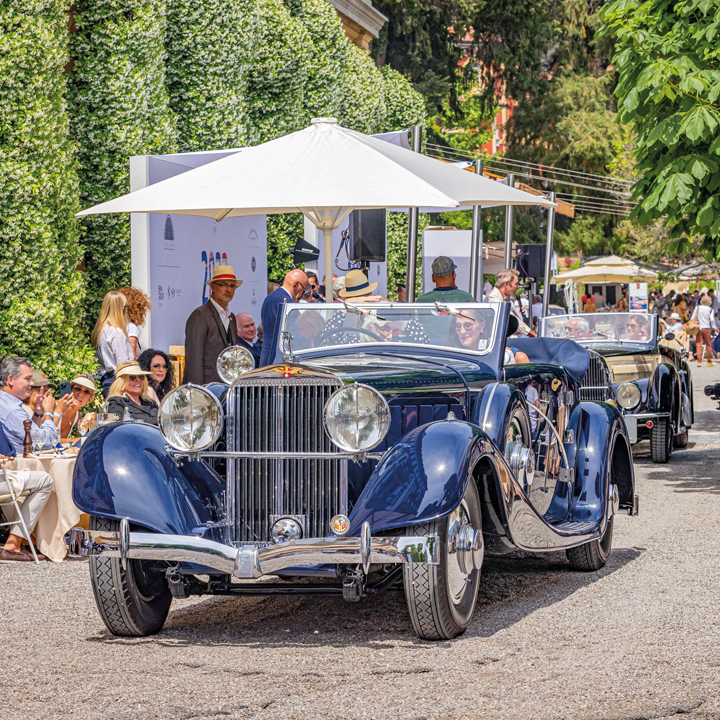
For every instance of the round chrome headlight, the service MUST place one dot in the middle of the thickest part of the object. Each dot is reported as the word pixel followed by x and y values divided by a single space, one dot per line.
pixel 357 418
pixel 234 362
pixel 190 418
pixel 628 395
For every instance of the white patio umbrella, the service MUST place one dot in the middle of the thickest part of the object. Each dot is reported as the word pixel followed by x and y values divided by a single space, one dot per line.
pixel 324 171
pixel 605 274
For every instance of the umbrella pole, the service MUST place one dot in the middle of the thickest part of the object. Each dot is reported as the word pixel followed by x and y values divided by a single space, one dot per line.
pixel 476 253
pixel 509 216
pixel 548 256
pixel 327 254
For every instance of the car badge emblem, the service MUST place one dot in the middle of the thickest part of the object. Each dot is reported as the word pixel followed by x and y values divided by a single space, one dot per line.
pixel 340 524
pixel 287 370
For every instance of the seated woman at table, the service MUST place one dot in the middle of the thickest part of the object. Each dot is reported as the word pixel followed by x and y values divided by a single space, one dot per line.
pixel 67 410
pixel 130 391
pixel 161 378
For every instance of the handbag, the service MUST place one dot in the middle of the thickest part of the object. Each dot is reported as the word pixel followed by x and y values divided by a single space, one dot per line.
pixel 692 327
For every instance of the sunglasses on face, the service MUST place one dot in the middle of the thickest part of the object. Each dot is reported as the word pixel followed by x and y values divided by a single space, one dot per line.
pixel 632 326
pixel 82 390
pixel 135 377
pixel 468 326
pixel 225 285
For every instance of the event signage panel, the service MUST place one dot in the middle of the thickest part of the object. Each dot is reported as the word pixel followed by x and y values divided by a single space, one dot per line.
pixel 183 250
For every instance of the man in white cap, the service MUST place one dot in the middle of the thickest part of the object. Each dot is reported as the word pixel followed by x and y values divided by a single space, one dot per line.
pixel 446 290
pixel 211 328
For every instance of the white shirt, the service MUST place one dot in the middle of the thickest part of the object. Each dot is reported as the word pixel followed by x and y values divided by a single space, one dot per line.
pixel 497 296
pixel 224 314
pixel 113 348
pixel 537 310
pixel 705 316
pixel 675 327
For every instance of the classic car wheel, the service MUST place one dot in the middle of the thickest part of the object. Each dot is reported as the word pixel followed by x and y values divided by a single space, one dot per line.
pixel 133 602
pixel 441 598
pixel 594 554
pixel 661 441
pixel 681 440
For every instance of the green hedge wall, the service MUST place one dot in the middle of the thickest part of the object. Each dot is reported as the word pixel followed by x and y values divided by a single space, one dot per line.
pixel 151 76
pixel 119 107
pixel 41 290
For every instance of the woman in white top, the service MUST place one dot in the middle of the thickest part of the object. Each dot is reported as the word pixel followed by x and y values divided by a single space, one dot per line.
pixel 109 338
pixel 705 316
pixel 136 309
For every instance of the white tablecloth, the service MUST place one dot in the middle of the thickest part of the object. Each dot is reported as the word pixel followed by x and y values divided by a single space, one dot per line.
pixel 60 513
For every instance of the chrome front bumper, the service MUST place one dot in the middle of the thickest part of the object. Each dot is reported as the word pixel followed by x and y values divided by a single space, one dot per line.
pixel 254 561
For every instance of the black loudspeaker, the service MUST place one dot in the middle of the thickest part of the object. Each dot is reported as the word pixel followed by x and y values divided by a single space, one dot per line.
pixel 304 252
pixel 530 260
pixel 366 239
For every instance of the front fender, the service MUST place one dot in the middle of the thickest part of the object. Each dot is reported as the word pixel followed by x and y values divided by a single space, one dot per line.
pixel 422 478
pixel 598 428
pixel 123 471
pixel 661 390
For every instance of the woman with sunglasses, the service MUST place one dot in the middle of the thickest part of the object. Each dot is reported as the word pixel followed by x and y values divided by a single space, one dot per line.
pixel 67 410
pixel 161 378
pixel 469 331
pixel 130 391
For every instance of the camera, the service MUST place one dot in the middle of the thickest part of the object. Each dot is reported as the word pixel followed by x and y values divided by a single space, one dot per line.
pixel 713 391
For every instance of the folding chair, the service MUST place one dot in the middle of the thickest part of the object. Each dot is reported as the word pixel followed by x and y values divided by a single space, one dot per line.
pixel 11 497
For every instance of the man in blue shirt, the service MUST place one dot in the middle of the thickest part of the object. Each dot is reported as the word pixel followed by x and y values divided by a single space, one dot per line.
pixel 446 291
pixel 16 384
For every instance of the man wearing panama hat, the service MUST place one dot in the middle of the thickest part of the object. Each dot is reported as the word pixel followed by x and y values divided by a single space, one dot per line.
pixel 211 328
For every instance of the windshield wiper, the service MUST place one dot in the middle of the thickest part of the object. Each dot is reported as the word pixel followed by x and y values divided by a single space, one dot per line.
pixel 440 307
pixel 360 311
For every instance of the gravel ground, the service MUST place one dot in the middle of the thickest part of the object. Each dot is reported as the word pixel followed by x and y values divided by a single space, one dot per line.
pixel 640 639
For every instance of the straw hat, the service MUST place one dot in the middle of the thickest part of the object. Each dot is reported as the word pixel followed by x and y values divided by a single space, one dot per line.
pixel 40 379
pixel 131 369
pixel 224 272
pixel 356 284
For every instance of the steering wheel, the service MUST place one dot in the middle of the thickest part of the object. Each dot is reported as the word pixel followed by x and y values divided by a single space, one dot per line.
pixel 326 336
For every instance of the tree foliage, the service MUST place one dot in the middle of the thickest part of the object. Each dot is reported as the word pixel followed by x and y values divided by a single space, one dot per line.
pixel 41 289
pixel 118 107
pixel 669 89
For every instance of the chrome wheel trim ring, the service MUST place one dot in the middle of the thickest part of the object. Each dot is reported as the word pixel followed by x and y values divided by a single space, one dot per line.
pixel 458 557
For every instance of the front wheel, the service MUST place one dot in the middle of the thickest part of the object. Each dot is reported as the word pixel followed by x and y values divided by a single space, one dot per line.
pixel 661 441
pixel 441 598
pixel 133 601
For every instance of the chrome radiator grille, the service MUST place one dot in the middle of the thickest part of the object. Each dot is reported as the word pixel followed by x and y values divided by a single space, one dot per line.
pixel 596 383
pixel 282 415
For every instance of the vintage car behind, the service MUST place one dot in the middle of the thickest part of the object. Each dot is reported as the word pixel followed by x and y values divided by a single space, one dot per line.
pixel 651 379
pixel 387 449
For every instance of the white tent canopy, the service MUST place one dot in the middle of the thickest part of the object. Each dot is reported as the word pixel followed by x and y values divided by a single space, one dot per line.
pixel 324 171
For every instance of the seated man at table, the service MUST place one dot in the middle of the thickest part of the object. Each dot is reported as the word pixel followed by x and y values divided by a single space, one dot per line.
pixel 16 383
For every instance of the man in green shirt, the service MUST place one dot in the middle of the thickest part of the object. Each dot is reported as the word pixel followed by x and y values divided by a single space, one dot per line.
pixel 446 291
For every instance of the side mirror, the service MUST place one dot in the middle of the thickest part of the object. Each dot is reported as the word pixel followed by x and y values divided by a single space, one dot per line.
pixel 670 336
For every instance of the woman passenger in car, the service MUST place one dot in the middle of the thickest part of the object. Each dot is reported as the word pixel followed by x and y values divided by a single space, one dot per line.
pixel 638 328
pixel 469 330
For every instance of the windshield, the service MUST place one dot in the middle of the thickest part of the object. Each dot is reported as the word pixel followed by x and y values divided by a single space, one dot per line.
pixel 600 327
pixel 467 327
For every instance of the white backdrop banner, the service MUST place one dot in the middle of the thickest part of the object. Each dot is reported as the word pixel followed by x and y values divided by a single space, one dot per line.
pixel 182 250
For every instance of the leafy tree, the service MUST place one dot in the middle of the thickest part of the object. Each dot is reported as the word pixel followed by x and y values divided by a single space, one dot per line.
pixel 418 40
pixel 41 288
pixel 669 87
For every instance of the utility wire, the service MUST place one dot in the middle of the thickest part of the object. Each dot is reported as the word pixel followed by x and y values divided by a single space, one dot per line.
pixel 545 168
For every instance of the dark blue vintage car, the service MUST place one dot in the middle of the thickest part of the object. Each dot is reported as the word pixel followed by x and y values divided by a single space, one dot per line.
pixel 650 377
pixel 390 446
